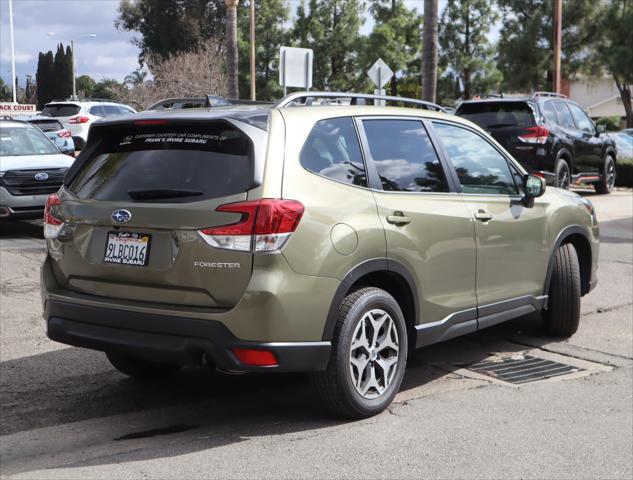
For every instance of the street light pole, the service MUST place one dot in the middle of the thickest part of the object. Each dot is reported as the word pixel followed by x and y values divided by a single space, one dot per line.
pixel 253 73
pixel 13 79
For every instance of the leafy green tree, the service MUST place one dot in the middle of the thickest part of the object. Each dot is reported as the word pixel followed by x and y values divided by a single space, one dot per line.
pixel 85 85
pixel 45 78
pixel 331 29
pixel 137 77
pixel 270 34
pixel 5 92
pixel 525 46
pixel 395 37
pixel 169 26
pixel 62 86
pixel 106 89
pixel 615 50
pixel 466 51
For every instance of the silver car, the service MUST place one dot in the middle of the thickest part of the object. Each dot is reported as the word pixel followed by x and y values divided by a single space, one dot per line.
pixel 53 129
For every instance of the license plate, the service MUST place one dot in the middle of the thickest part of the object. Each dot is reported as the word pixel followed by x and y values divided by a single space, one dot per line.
pixel 127 248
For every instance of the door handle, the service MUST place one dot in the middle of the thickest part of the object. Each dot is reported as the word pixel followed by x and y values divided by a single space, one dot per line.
pixel 482 215
pixel 398 219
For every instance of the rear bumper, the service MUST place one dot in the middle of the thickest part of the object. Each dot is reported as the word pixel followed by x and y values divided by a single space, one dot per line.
pixel 171 339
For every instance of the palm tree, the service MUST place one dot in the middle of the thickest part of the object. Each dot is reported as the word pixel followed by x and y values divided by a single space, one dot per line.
pixel 429 51
pixel 137 77
pixel 231 48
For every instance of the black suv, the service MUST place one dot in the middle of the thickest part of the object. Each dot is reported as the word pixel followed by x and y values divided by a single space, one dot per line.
pixel 549 135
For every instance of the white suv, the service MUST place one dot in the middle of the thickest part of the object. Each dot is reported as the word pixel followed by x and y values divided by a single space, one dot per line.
pixel 77 116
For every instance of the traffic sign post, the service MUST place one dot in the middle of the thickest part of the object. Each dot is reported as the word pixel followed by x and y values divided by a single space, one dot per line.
pixel 380 74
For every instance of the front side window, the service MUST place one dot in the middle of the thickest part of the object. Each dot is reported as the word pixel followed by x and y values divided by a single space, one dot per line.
pixel 404 156
pixel 480 167
pixel 564 116
pixel 583 122
pixel 332 150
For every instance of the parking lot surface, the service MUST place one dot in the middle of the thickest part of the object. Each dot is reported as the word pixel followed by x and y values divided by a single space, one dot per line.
pixel 66 413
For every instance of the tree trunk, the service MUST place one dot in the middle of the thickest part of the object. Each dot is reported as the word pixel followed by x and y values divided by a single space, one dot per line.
pixel 429 51
pixel 231 48
pixel 625 95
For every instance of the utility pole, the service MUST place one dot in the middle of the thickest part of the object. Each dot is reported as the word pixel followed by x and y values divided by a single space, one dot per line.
pixel 558 24
pixel 14 81
pixel 253 72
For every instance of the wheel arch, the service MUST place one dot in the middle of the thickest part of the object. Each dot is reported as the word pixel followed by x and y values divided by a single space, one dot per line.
pixel 389 275
pixel 567 155
pixel 579 238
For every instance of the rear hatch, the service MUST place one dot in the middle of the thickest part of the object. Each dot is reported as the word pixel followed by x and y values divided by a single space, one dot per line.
pixel 135 203
pixel 506 121
pixel 49 127
pixel 62 111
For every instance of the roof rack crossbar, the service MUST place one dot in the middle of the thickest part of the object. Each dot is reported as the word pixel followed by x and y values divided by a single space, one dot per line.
pixel 549 94
pixel 355 97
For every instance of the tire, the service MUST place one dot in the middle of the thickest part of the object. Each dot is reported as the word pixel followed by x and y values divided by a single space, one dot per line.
pixel 141 368
pixel 563 174
pixel 563 311
pixel 341 386
pixel 607 180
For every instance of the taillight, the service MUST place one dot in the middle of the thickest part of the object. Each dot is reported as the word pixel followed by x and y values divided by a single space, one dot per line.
pixel 64 134
pixel 265 226
pixel 52 224
pixel 535 135
pixel 78 119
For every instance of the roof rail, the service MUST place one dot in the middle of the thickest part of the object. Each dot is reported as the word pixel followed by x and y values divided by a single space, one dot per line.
pixel 309 97
pixel 549 94
pixel 478 96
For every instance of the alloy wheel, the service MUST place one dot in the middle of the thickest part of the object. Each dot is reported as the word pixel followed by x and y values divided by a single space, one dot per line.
pixel 563 177
pixel 374 354
pixel 610 173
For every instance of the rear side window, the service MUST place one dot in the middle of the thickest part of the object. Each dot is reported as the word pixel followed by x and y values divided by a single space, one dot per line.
pixel 498 114
pixel 111 110
pixel 332 150
pixel 549 113
pixel 480 167
pixel 404 156
pixel 180 163
pixel 564 116
pixel 98 111
pixel 61 110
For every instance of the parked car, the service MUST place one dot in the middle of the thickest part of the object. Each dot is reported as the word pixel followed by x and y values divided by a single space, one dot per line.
pixel 77 116
pixel 55 131
pixel 31 168
pixel 207 101
pixel 550 135
pixel 624 143
pixel 323 239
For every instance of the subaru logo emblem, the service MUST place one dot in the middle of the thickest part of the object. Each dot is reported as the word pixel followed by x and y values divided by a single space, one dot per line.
pixel 121 216
pixel 41 176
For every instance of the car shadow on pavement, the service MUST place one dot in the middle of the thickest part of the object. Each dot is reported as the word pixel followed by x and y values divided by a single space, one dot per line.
pixel 198 409
pixel 21 229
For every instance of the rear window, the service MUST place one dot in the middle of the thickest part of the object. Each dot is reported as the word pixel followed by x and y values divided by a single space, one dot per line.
pixel 61 110
pixel 47 125
pixel 185 163
pixel 498 114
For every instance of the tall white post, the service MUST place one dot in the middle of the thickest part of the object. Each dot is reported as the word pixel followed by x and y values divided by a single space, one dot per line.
pixel 72 52
pixel 13 79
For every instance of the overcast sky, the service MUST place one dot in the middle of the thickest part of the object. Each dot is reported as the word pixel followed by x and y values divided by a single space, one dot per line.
pixel 109 55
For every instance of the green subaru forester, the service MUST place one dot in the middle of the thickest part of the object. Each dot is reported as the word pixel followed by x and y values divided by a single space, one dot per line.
pixel 319 235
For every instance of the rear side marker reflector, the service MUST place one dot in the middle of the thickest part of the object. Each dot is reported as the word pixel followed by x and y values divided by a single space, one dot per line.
pixel 265 226
pixel 255 358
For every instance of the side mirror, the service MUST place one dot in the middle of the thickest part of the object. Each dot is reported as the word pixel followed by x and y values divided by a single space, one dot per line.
pixel 601 129
pixel 534 186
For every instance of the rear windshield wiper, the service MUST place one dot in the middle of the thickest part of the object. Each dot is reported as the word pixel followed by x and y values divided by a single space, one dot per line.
pixel 161 193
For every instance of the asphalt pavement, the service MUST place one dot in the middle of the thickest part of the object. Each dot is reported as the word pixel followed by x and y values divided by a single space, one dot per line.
pixel 66 413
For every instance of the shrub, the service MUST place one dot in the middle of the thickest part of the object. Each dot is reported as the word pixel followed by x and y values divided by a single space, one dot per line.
pixel 624 172
pixel 611 124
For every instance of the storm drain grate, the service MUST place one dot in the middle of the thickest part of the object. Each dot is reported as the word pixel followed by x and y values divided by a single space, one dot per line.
pixel 523 370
